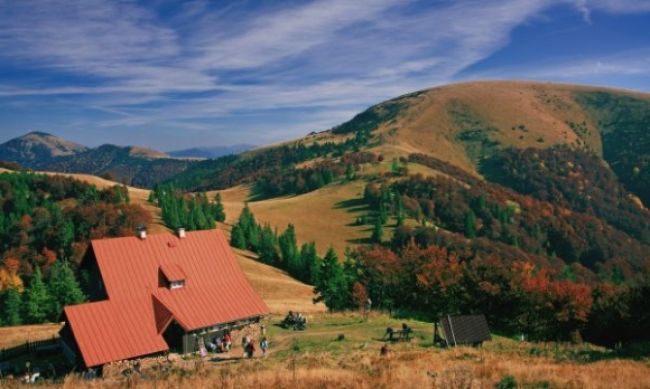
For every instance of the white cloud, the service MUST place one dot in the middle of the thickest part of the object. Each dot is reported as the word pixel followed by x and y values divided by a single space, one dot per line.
pixel 212 61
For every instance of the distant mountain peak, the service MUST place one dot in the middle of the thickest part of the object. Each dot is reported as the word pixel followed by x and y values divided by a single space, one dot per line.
pixel 38 146
pixel 211 152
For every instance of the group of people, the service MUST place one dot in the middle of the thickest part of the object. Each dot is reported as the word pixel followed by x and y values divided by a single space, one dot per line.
pixel 220 344
pixel 294 320
pixel 248 346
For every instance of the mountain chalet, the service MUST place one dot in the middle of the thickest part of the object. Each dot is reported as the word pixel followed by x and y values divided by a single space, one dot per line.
pixel 158 293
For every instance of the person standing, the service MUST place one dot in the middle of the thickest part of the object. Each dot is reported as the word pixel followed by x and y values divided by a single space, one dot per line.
pixel 245 340
pixel 264 346
pixel 227 341
pixel 250 349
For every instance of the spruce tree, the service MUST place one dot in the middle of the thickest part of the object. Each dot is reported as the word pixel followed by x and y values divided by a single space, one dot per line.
pixel 377 231
pixel 330 282
pixel 308 262
pixel 470 224
pixel 289 250
pixel 237 238
pixel 11 307
pixel 349 172
pixel 37 300
pixel 267 249
pixel 383 215
pixel 200 221
pixel 64 288
pixel 218 212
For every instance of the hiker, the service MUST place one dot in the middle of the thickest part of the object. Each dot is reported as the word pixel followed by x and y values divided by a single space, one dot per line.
pixel 250 349
pixel 367 308
pixel 406 331
pixel 390 332
pixel 244 345
pixel 227 341
pixel 264 346
pixel 383 352
pixel 218 344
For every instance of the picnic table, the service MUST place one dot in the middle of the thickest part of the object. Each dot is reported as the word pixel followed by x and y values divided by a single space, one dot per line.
pixel 403 335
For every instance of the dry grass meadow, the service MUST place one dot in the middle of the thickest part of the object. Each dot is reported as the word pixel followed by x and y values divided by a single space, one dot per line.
pixel 326 216
pixel 317 358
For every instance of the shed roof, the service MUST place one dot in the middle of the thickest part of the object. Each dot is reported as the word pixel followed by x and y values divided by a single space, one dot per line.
pixel 130 323
pixel 465 329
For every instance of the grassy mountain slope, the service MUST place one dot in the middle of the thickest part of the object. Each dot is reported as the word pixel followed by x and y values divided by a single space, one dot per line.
pixel 464 125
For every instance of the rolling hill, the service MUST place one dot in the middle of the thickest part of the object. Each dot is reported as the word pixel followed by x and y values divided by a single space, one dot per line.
pixel 466 132
pixel 464 124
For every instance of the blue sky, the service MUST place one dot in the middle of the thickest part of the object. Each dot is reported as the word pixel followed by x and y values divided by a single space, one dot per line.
pixel 171 75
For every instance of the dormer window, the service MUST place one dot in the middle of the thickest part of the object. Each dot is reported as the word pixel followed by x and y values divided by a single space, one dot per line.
pixel 176 284
pixel 172 276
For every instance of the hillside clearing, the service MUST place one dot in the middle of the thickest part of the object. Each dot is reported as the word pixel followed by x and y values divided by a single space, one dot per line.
pixel 278 290
pixel 326 216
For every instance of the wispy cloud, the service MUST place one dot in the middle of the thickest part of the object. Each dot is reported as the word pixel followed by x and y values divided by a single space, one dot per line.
pixel 200 65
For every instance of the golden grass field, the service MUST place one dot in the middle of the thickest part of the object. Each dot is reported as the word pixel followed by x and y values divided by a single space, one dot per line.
pixel 428 127
pixel 316 358
pixel 14 336
pixel 278 290
pixel 326 215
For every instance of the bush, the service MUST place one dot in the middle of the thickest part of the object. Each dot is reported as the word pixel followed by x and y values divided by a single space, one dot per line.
pixel 507 382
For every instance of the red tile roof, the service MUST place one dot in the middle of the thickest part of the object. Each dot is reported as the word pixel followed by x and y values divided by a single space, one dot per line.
pixel 138 309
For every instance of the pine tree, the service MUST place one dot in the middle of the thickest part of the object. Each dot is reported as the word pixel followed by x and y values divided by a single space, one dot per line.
pixel 289 250
pixel 237 238
pixel 200 221
pixel 395 168
pixel 63 288
pixel 250 228
pixel 399 210
pixel 377 231
pixel 330 282
pixel 267 249
pixel 349 172
pixel 37 300
pixel 218 212
pixel 383 215
pixel 308 262
pixel 11 307
pixel 470 224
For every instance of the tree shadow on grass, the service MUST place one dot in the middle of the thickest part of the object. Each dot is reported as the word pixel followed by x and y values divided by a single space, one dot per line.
pixel 352 205
pixel 359 241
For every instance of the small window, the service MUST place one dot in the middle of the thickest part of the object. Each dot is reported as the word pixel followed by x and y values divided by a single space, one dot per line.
pixel 176 284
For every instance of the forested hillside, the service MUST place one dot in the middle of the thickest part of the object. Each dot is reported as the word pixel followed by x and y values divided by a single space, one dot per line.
pixel 121 164
pixel 46 224
pixel 624 123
